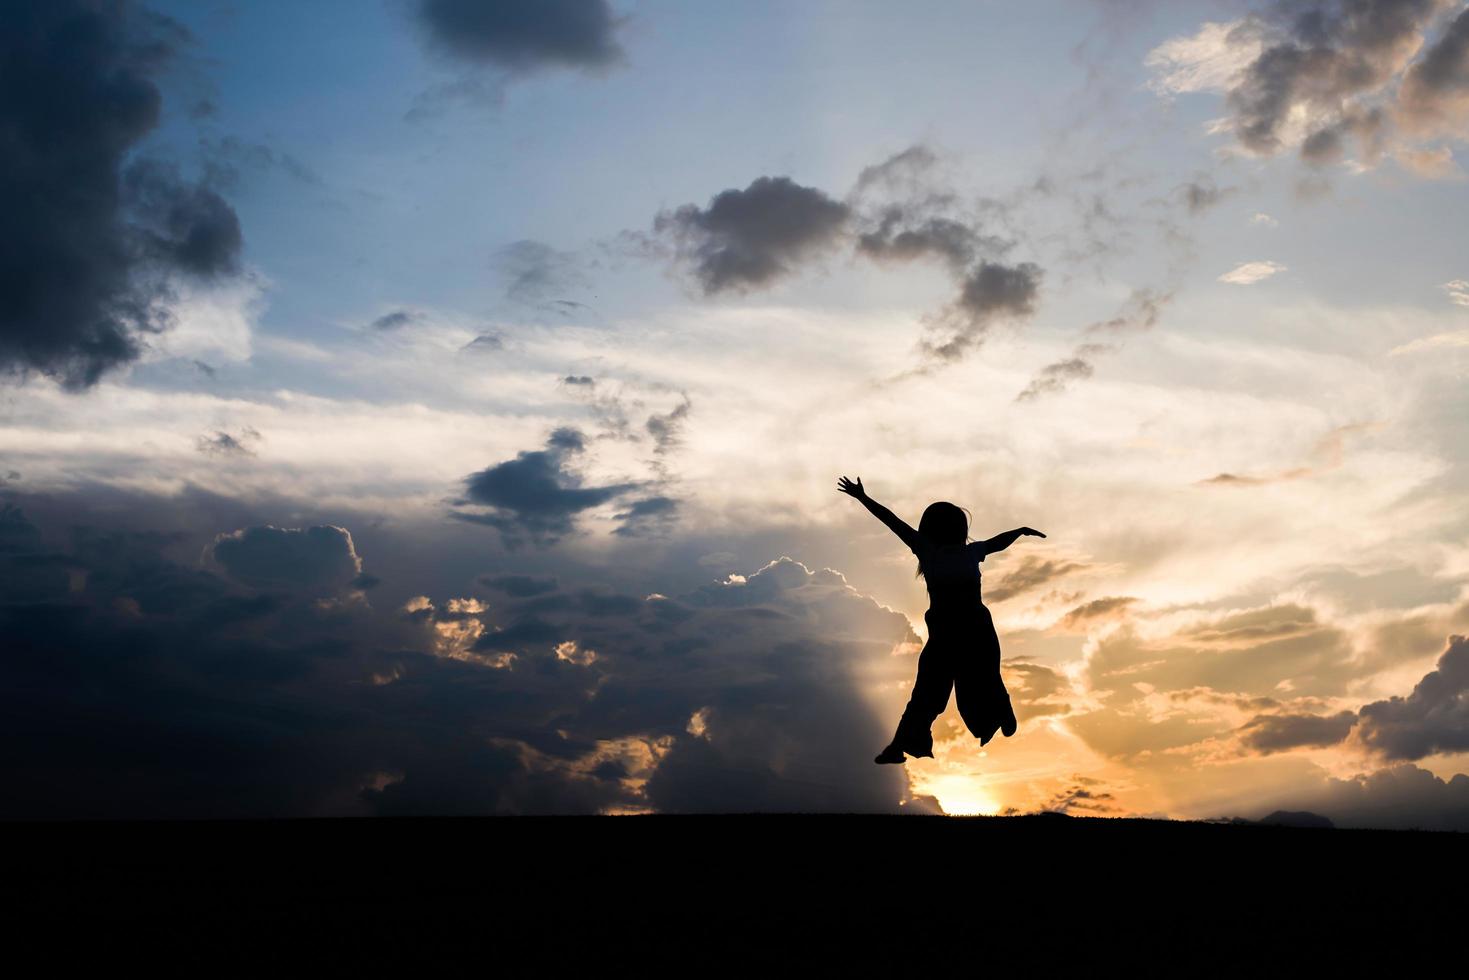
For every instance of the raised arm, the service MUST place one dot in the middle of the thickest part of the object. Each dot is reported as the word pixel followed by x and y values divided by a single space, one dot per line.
pixel 893 521
pixel 1002 541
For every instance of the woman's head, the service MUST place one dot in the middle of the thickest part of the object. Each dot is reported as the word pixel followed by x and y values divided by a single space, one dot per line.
pixel 943 524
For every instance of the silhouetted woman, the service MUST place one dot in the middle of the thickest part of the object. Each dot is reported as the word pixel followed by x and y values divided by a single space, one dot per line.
pixel 963 650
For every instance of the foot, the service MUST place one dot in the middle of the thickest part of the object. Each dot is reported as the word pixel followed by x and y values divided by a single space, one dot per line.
pixel 890 755
pixel 1008 724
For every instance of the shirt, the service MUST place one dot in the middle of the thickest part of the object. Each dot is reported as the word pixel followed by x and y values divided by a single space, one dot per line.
pixel 951 573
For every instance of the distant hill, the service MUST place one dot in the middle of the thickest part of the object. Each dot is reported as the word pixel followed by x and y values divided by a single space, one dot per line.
pixel 1290 818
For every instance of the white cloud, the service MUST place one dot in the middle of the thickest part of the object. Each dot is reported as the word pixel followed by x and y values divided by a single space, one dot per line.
pixel 1261 218
pixel 212 323
pixel 1458 290
pixel 1251 272
pixel 1207 61
pixel 1438 341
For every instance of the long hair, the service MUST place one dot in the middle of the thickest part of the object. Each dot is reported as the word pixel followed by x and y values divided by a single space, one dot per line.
pixel 942 524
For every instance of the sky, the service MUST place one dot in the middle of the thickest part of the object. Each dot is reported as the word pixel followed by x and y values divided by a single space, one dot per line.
pixel 436 406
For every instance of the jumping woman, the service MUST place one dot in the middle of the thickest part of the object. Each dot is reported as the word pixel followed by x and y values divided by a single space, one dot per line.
pixel 963 650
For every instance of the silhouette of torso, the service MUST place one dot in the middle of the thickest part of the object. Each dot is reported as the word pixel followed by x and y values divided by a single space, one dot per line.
pixel 952 576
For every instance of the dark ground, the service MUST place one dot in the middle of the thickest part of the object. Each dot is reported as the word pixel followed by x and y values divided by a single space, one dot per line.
pixel 524 896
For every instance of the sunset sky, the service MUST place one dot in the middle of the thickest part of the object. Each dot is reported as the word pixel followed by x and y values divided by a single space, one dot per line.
pixel 436 406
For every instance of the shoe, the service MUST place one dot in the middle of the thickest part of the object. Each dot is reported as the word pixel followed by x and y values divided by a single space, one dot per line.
pixel 890 756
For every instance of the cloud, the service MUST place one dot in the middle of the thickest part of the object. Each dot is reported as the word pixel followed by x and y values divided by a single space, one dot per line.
pixel 521 586
pixel 1459 338
pixel 1036 690
pixel 146 688
pixel 899 238
pixel 1400 797
pixel 751 238
pixel 316 559
pixel 1033 572
pixel 221 443
pixel 1083 795
pixel 521 36
pixel 534 271
pixel 485 343
pixel 1203 193
pixel 189 228
pixel 905 170
pixel 1328 454
pixel 1434 718
pixel 649 516
pixel 1434 98
pixel 667 428
pixel 1261 218
pixel 1250 273
pixel 990 292
pixel 92 242
pixel 1265 734
pixel 395 320
pixel 1056 376
pixel 1139 312
pixel 1458 290
pixel 226 159
pixel 536 496
pixel 1213 59
pixel 1320 76
pixel 1101 610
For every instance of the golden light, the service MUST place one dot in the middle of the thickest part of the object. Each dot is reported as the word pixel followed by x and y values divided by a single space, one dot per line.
pixel 959 794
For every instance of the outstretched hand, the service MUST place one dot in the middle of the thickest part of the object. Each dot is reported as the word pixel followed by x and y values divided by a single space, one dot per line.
pixel 849 487
pixel 1031 531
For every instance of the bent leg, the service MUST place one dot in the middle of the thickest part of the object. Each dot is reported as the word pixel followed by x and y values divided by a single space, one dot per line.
pixel 928 700
pixel 984 703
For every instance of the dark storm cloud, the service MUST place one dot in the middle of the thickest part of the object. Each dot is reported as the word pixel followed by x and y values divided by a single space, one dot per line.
pixel 520 586
pixel 536 496
pixel 135 686
pixel 524 35
pixel 318 558
pixel 1280 733
pixel 89 247
pixel 17 532
pixel 753 237
pixel 1433 719
pixel 649 516
pixel 188 227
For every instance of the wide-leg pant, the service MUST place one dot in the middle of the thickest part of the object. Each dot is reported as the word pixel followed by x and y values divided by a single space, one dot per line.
pixel 963 655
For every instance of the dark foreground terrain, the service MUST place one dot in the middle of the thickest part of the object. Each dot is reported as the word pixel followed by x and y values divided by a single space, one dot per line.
pixel 1042 895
